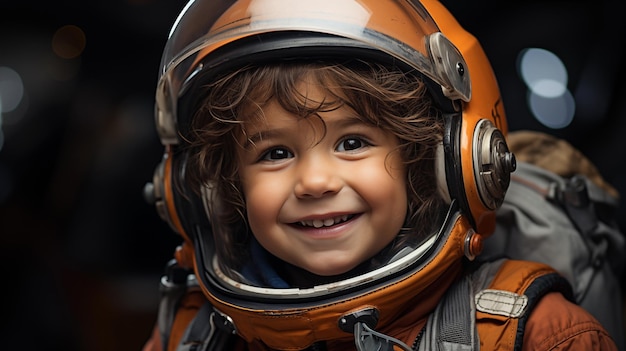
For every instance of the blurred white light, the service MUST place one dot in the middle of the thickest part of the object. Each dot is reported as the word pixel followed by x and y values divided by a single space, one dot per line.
pixel 540 65
pixel 548 88
pixel 553 112
pixel 11 89
pixel 546 77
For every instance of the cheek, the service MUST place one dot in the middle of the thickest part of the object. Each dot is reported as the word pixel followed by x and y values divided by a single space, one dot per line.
pixel 391 196
pixel 388 193
pixel 264 197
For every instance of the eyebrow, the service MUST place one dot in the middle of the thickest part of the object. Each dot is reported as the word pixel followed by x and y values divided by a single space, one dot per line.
pixel 342 122
pixel 260 135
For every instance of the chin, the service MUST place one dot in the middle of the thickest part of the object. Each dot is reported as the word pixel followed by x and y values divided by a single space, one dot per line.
pixel 329 270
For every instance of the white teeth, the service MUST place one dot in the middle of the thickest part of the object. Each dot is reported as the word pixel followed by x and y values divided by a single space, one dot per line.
pixel 318 223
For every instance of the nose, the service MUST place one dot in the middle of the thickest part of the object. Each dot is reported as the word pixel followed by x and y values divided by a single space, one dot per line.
pixel 317 176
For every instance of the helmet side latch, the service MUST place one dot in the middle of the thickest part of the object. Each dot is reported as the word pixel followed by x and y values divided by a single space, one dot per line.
pixel 450 67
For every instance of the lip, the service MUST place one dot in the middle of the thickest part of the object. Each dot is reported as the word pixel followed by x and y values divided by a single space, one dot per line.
pixel 324 216
pixel 325 232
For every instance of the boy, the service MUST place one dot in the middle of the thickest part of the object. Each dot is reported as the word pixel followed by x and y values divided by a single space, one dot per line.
pixel 333 169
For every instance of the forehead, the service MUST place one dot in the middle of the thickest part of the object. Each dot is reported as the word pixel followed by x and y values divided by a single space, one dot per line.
pixel 273 120
pixel 302 98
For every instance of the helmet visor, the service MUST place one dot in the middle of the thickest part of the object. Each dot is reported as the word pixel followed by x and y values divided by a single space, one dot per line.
pixel 260 275
pixel 402 30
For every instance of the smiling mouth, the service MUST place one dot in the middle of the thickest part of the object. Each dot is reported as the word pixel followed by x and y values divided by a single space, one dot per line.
pixel 328 222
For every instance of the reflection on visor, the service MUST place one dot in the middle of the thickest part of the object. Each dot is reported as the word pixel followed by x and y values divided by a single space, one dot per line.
pixel 345 11
pixel 400 261
pixel 398 264
pixel 401 30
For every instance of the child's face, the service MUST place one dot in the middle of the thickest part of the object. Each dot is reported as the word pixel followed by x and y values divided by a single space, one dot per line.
pixel 322 202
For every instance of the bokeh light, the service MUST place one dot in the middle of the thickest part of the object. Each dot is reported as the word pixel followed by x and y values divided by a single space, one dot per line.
pixel 11 89
pixel 11 94
pixel 553 112
pixel 546 77
pixel 69 41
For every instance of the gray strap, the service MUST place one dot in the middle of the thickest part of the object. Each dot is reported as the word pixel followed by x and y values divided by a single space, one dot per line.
pixel 173 286
pixel 367 339
pixel 209 330
pixel 199 330
pixel 452 326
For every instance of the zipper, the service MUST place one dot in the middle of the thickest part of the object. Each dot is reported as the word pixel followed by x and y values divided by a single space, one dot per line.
pixel 418 339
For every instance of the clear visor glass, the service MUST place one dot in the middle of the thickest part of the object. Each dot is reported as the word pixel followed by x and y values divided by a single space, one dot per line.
pixel 260 278
pixel 401 261
pixel 402 29
pixel 392 26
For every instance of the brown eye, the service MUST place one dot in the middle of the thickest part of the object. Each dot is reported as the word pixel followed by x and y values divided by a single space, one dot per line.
pixel 276 154
pixel 351 144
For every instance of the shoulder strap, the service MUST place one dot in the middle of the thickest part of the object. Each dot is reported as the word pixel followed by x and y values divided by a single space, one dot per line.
pixel 452 326
pixel 504 305
pixel 208 331
pixel 174 293
pixel 186 320
pixel 489 308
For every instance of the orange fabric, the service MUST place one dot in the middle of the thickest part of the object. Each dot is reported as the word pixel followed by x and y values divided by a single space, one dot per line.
pixel 407 324
pixel 298 328
pixel 554 324
pixel 405 327
pixel 189 306
pixel 499 332
pixel 557 324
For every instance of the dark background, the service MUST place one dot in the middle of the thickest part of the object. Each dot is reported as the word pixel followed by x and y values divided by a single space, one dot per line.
pixel 82 251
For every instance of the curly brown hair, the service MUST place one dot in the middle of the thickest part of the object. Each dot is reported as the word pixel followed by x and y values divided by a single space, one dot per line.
pixel 382 96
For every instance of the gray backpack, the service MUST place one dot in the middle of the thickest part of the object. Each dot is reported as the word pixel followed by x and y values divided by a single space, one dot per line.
pixel 567 223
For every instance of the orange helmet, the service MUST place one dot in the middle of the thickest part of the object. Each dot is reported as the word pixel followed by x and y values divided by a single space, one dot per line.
pixel 211 37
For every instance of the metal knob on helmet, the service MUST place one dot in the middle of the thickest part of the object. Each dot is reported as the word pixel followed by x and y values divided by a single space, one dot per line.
pixel 494 164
